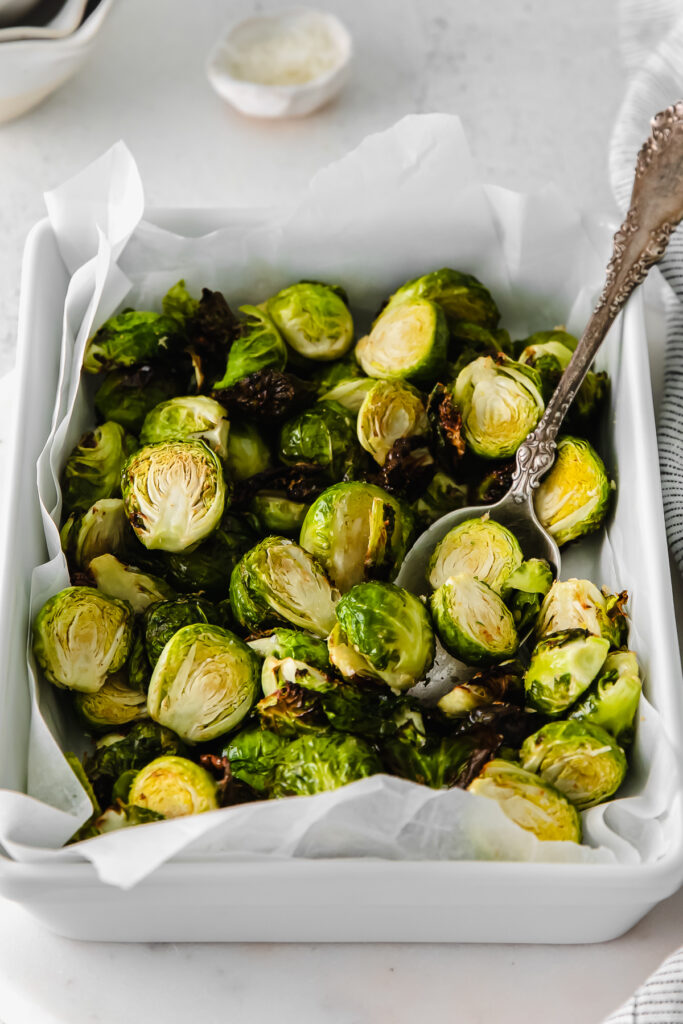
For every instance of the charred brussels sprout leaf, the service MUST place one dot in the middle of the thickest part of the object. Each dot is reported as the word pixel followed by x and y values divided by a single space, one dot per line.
pixel 358 532
pixel 179 303
pixel 321 762
pixel 174 493
pixel 442 495
pixel 494 485
pixel 391 410
pixel 93 470
pixel 291 643
pixel 460 296
pixel 562 667
pixel 116 703
pixel 248 453
pixel 574 496
pixel 210 331
pixel 445 420
pixel 289 709
pixel 163 620
pixel 612 700
pixel 473 622
pixel 524 590
pixel 582 761
pixel 531 803
pixel 116 754
pixel 126 396
pixel 130 339
pixel 188 417
pixel 578 604
pixel 313 319
pixel 500 401
pixel 268 396
pixel 277 582
pixel 407 342
pixel 258 346
pixel 204 683
pixel 324 435
pixel 384 633
pixel 408 468
pixel 128 583
pixel 477 547
pixel 81 636
pixel 103 529
pixel 173 787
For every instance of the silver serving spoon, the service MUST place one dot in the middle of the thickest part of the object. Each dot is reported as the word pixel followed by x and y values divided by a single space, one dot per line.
pixel 655 210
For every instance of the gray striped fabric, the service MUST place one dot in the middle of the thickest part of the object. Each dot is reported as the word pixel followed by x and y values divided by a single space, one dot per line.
pixel 670 431
pixel 659 1001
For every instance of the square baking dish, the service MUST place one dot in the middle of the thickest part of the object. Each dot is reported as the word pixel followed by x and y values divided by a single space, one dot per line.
pixel 351 899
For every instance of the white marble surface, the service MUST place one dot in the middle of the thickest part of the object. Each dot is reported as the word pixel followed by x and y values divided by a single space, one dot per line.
pixel 537 86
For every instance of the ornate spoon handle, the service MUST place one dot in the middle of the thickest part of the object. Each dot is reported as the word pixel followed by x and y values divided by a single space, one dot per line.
pixel 655 210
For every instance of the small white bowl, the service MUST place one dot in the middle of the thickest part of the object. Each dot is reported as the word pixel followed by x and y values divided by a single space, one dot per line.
pixel 31 69
pixel 272 99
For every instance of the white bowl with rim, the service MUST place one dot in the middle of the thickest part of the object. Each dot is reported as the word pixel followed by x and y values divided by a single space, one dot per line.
pixel 243 66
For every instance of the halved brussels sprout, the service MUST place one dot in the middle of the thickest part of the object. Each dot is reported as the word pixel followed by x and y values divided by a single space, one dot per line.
pixel 582 761
pixel 313 320
pixel 278 582
pixel 324 434
pixel 208 567
pixel 130 339
pixel 358 532
pixel 383 632
pixel 204 683
pixel 442 495
pixel 248 453
pixel 279 673
pixel 174 493
pixel 407 342
pixel 390 411
pixel 501 402
pixel 488 688
pixel 317 763
pixel 524 590
pixel 461 296
pixel 578 604
pixel 277 514
pixel 163 620
pixel 562 667
pixel 174 787
pixel 549 357
pixel 528 801
pixel 103 528
pixel 128 583
pixel 188 417
pixel 350 394
pixel 612 700
pixel 476 547
pixel 258 346
pixel 574 496
pixel 287 708
pixel 473 622
pixel 291 643
pixel 93 470
pixel 116 703
pixel 81 636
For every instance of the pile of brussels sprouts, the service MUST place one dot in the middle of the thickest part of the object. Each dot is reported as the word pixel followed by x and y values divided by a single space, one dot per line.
pixel 232 528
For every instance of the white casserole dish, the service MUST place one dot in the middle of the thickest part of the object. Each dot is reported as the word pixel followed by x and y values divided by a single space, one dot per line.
pixel 348 899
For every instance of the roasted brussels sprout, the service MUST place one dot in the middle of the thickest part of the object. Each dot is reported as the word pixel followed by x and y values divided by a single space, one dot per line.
pixel 117 755
pixel 173 787
pixel 434 760
pixel 122 815
pixel 287 708
pixel 267 396
pixel 612 700
pixel 524 590
pixel 313 320
pixel 574 496
pixel 116 703
pixel 528 801
pixel 582 761
pixel 578 604
pixel 277 582
pixel 441 496
pixel 277 513
pixel 383 632
pixel 103 529
pixel 126 396
pixel 461 296
pixel 469 341
pixel 188 417
pixel 253 753
pixel 473 622
pixel 248 453
pixel 349 393
pixel 358 532
pixel 494 485
pixel 208 567
pixel 549 354
pixel 174 493
pixel 138 667
pixel 128 583
pixel 291 643
pixel 500 401
pixel 477 547
pixel 324 435
pixel 204 683
pixel 81 636
pixel 562 667
pixel 320 762
pixel 288 673
pixel 93 470
pixel 163 620
pixel 258 346
pixel 495 686
pixel 130 339
pixel 391 410
pixel 408 342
